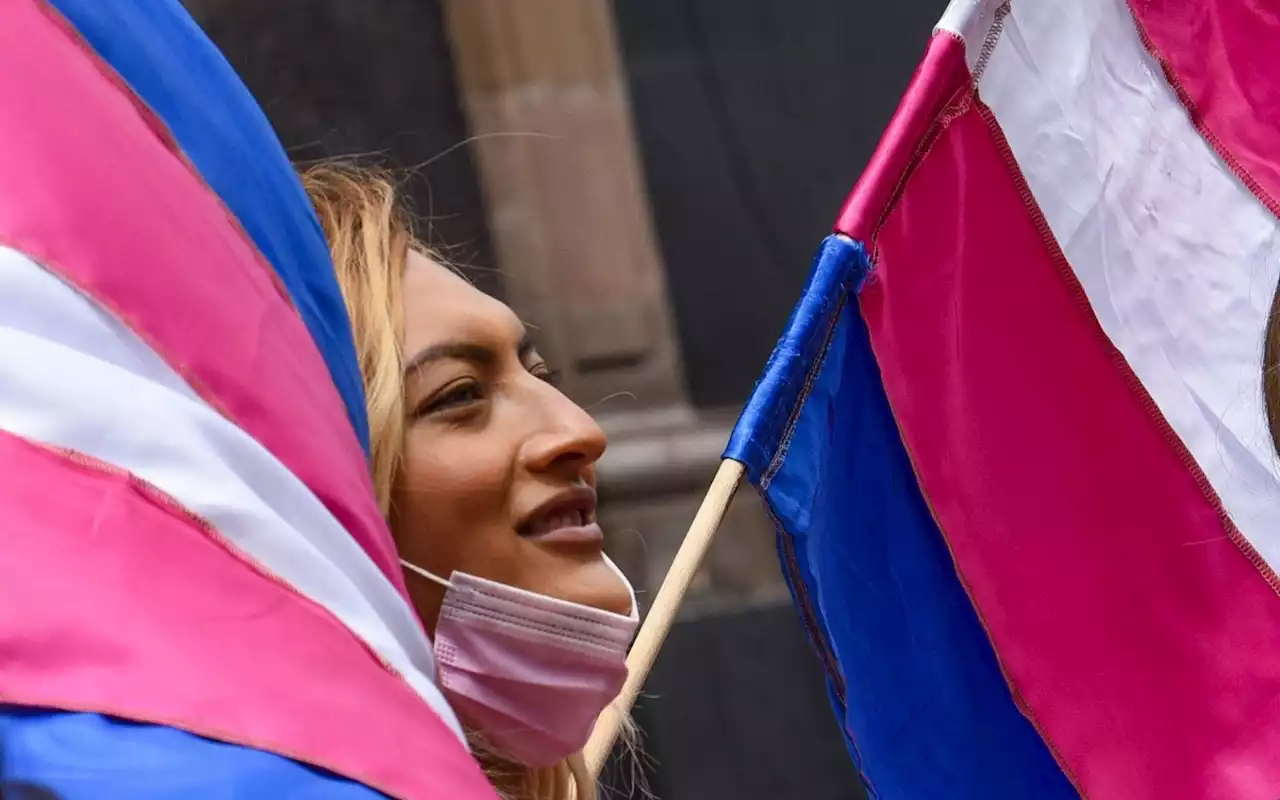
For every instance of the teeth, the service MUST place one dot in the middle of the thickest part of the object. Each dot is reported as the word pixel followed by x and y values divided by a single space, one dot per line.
pixel 563 519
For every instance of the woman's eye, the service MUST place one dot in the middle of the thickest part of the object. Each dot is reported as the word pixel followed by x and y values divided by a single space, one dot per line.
pixel 545 373
pixel 459 395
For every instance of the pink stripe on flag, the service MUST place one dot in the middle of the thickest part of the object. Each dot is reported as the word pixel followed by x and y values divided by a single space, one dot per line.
pixel 117 601
pixel 95 195
pixel 1133 628
pixel 941 74
pixel 1220 56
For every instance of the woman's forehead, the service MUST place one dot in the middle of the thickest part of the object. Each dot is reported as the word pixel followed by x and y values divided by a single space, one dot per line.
pixel 440 305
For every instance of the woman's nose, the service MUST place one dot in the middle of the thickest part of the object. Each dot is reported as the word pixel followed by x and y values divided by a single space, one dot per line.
pixel 568 440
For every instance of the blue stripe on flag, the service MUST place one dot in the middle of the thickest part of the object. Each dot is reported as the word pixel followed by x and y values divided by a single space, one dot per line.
pixel 75 756
pixel 915 682
pixel 159 50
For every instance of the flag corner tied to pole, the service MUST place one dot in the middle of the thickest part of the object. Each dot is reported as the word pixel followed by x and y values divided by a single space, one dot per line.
pixel 1013 436
pixel 200 596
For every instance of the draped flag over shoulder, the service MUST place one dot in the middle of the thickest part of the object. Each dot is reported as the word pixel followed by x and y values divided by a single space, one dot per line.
pixel 1014 438
pixel 198 595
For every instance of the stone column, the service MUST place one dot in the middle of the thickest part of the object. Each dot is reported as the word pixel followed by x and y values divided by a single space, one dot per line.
pixel 542 86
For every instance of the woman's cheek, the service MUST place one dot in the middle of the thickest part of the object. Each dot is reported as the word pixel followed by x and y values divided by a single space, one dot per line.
pixel 458 484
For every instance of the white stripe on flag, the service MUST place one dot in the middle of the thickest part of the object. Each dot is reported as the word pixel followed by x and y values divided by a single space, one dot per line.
pixel 72 376
pixel 1177 257
pixel 971 20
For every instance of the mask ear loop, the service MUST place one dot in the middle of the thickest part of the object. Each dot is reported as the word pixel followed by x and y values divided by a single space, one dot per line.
pixel 631 589
pixel 429 576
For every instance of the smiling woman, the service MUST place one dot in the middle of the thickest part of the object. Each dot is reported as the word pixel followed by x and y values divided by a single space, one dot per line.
pixel 498 473
pixel 486 473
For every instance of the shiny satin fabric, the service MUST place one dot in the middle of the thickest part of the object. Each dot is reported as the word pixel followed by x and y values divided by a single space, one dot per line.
pixel 177 71
pixel 117 597
pixel 224 320
pixel 47 754
pixel 913 679
pixel 1220 56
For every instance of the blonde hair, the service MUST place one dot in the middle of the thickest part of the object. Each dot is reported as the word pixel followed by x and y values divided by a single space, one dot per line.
pixel 1271 371
pixel 370 234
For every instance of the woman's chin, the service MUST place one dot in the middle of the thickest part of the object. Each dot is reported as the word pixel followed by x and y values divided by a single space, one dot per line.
pixel 593 583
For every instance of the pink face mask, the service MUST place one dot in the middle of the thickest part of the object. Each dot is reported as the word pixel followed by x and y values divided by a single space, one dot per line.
pixel 529 672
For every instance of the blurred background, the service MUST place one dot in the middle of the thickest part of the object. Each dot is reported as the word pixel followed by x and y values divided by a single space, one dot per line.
pixel 645 181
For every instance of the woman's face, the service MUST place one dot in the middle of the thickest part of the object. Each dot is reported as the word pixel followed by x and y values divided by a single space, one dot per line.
pixel 498 478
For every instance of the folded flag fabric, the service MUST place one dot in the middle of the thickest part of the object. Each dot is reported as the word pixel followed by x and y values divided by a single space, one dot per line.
pixel 199 594
pixel 1014 438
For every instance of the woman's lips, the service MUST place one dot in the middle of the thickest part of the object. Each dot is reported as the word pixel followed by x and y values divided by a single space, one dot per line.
pixel 579 534
pixel 569 518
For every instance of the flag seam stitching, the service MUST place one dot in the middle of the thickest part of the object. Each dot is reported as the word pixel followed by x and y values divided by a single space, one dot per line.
pixel 159 498
pixel 817 639
pixel 954 108
pixel 989 42
pixel 160 129
pixel 964 102
pixel 811 376
pixel 1188 461
pixel 1197 117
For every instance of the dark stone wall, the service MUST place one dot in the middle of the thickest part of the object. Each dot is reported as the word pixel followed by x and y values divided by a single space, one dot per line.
pixel 737 707
pixel 755 117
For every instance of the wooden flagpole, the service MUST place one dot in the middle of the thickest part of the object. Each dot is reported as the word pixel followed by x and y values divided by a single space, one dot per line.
pixel 662 614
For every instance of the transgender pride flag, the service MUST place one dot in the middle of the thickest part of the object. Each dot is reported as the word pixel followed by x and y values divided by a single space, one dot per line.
pixel 1014 436
pixel 198 596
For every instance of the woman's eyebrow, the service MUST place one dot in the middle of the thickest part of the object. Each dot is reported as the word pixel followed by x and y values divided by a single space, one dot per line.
pixel 461 351
pixel 457 351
